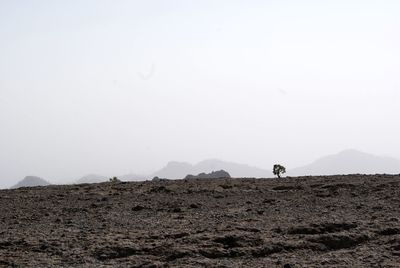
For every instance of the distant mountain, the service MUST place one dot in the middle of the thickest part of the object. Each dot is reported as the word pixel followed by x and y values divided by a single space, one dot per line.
pixel 349 162
pixel 92 178
pixel 179 170
pixel 174 170
pixel 234 169
pixel 31 181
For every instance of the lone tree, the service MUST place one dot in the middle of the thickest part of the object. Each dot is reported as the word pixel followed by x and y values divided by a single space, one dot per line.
pixel 278 170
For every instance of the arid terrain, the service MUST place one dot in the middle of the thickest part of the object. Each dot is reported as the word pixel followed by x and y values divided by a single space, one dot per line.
pixel 336 221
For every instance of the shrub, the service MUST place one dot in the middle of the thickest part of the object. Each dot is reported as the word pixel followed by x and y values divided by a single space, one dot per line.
pixel 114 179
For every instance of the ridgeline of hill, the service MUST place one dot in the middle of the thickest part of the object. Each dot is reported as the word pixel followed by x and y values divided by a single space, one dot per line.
pixel 31 181
pixel 334 221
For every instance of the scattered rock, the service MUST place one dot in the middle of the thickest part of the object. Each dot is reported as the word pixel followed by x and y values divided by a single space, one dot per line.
pixel 138 208
pixel 389 231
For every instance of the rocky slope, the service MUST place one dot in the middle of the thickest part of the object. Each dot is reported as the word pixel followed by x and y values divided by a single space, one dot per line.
pixel 336 221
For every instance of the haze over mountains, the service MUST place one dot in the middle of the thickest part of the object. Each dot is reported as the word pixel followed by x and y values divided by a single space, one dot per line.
pixel 178 170
pixel 345 162
pixel 349 162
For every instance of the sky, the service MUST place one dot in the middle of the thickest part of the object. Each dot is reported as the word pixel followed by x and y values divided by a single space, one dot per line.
pixel 114 87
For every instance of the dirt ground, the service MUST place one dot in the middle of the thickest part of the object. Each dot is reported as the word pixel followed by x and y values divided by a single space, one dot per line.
pixel 335 221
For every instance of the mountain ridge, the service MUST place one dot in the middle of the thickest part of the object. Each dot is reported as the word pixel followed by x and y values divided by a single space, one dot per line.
pixel 179 170
pixel 348 161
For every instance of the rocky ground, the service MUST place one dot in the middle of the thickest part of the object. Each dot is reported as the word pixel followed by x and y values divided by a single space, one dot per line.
pixel 337 221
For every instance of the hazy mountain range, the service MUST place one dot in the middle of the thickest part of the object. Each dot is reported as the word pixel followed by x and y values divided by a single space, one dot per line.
pixel 349 162
pixel 345 162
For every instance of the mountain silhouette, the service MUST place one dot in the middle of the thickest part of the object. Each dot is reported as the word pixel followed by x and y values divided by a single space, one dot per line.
pixel 175 170
pixel 31 181
pixel 234 169
pixel 179 170
pixel 213 175
pixel 349 162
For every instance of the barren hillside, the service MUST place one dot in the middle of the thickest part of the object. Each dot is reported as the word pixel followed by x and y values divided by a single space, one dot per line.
pixel 336 221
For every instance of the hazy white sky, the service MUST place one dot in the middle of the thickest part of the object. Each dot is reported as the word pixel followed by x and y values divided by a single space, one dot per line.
pixel 113 87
